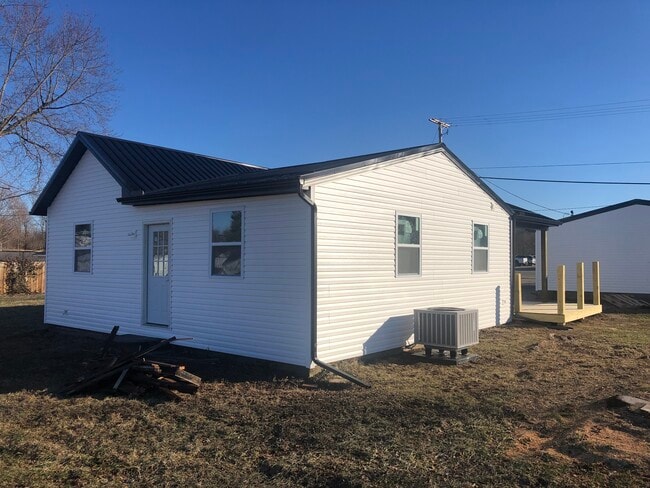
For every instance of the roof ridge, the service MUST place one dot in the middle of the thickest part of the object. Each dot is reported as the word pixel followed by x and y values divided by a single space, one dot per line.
pixel 607 208
pixel 167 148
pixel 296 168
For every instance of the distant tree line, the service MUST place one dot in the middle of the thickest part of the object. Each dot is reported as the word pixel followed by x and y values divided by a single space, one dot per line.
pixel 17 229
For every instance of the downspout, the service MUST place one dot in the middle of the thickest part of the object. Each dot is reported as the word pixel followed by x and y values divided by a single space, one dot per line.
pixel 314 313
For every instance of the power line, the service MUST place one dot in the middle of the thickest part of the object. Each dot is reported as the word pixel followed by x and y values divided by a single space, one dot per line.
pixel 563 165
pixel 580 111
pixel 583 208
pixel 553 116
pixel 525 200
pixel 575 182
pixel 550 109
pixel 547 119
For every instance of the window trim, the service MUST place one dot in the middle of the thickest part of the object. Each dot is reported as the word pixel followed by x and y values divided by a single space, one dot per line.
pixel 398 245
pixel 487 249
pixel 241 243
pixel 86 248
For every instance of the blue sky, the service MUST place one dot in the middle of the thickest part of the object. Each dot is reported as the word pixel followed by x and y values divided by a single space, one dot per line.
pixel 287 82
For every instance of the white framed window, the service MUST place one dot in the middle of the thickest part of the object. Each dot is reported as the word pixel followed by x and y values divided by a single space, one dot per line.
pixel 408 239
pixel 83 247
pixel 480 247
pixel 226 243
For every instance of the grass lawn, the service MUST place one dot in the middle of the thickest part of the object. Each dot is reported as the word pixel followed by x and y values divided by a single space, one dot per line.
pixel 529 413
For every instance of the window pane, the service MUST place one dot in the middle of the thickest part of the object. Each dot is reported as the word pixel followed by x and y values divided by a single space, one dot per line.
pixel 408 230
pixel 82 236
pixel 226 226
pixel 82 260
pixel 408 260
pixel 160 253
pixel 480 235
pixel 226 260
pixel 480 260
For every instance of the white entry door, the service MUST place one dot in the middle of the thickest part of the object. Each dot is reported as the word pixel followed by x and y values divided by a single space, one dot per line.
pixel 158 274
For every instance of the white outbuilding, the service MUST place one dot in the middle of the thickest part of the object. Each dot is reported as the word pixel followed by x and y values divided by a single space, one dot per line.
pixel 616 236
pixel 299 265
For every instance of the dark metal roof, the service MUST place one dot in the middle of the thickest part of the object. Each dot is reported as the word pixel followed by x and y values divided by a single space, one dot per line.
pixel 609 208
pixel 153 175
pixel 288 179
pixel 532 220
pixel 139 168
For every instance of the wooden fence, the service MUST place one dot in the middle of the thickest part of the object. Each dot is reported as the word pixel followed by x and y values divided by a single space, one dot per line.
pixel 35 283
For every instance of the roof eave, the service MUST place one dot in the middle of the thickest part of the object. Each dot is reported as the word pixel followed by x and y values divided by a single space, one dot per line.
pixel 80 144
pixel 535 222
pixel 224 193
pixel 58 178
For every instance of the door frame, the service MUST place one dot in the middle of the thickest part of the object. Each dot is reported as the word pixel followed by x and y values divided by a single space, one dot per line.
pixel 145 270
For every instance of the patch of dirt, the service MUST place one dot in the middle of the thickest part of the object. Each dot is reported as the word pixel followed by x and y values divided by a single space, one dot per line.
pixel 530 443
pixel 615 443
pixel 588 443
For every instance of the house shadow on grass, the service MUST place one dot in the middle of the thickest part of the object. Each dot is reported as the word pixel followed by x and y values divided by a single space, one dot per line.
pixel 34 356
pixel 39 357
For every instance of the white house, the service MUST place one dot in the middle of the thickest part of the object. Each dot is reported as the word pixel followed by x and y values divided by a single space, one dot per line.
pixel 617 236
pixel 299 265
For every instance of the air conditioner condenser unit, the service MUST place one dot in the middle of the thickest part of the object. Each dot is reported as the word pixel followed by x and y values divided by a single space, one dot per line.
pixel 446 329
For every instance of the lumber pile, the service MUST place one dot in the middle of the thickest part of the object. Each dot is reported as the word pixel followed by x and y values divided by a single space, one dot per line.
pixel 134 374
pixel 633 404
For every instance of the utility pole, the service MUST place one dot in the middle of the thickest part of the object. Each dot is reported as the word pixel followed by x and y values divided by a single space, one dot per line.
pixel 441 125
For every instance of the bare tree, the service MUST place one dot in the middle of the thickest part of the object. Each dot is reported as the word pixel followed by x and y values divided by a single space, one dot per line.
pixel 15 222
pixel 55 79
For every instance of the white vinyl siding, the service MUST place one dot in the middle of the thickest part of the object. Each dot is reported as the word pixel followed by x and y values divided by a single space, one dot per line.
pixel 363 307
pixel 618 239
pixel 265 314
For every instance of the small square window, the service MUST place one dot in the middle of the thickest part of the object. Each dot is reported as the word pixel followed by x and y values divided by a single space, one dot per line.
pixel 408 245
pixel 226 242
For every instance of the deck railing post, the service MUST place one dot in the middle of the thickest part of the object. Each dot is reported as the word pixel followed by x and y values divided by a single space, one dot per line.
pixel 544 264
pixel 595 267
pixel 561 289
pixel 580 285
pixel 518 299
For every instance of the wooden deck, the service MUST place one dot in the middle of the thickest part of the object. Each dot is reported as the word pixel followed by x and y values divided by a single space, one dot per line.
pixel 547 312
pixel 561 312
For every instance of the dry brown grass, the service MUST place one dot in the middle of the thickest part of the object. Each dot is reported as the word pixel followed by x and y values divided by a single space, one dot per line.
pixel 530 412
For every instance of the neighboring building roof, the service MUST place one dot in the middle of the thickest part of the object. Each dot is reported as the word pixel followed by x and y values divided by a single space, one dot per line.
pixel 151 175
pixel 609 208
pixel 139 168
pixel 531 220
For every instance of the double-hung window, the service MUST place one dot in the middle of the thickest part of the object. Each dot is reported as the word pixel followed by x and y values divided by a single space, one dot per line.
pixel 226 243
pixel 480 248
pixel 408 245
pixel 83 247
